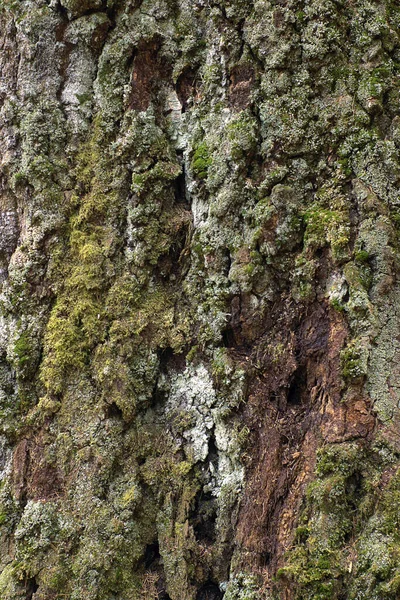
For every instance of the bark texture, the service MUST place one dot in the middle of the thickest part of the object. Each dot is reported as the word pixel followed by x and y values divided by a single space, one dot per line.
pixel 200 304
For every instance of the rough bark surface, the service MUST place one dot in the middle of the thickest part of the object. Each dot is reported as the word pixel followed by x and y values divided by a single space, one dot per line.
pixel 200 305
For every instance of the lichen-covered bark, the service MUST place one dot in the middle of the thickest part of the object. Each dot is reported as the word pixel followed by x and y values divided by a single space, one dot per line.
pixel 200 306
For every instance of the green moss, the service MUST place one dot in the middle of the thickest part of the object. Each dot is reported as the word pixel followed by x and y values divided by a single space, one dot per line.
pixel 23 349
pixel 377 570
pixel 8 581
pixel 242 135
pixel 37 530
pixel 326 226
pixel 302 289
pixel 149 181
pixel 337 304
pixel 316 564
pixel 342 526
pixel 353 360
pixel 201 160
pixel 362 256
pixel 71 333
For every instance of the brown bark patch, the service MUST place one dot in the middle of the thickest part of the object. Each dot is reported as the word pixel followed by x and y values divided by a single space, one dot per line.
pixel 242 82
pixel 351 419
pixel 33 477
pixel 295 406
pixel 150 69
pixel 8 52
pixel 186 87
pixel 19 468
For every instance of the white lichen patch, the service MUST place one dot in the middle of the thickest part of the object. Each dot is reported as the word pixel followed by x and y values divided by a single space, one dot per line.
pixel 192 391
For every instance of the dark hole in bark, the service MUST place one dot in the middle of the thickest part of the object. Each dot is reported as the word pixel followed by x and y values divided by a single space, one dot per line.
pixel 158 398
pixel 298 387
pixel 228 260
pixel 273 397
pixel 204 516
pixel 151 555
pixel 205 510
pixel 354 493
pixel 265 558
pixel 31 588
pixel 180 188
pixel 113 411
pixel 63 12
pixel 165 354
pixel 161 588
pixel 228 338
pixel 209 591
pixel 174 262
pixel 169 359
pixel 212 448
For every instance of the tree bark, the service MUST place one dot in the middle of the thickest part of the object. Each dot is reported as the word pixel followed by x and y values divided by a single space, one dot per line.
pixel 200 305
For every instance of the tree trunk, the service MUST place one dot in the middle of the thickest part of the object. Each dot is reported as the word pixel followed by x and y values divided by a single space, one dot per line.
pixel 200 306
